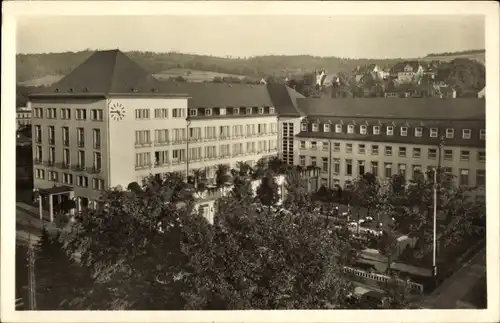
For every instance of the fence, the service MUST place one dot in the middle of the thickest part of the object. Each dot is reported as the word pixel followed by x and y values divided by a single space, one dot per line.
pixel 419 288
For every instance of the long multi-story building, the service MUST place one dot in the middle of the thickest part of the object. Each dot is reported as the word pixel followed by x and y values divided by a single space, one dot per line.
pixel 349 137
pixel 109 123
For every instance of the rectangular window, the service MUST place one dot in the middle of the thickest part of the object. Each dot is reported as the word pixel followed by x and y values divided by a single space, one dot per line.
pixel 96 114
pixel 418 132
pixel 178 113
pixel 450 133
pixel 362 129
pixel 224 132
pixel 336 147
pixel 313 161
pixel 96 134
pixel 161 136
pixel 464 177
pixel 390 130
pixel 432 153
pixel 66 158
pixel 464 155
pixel 388 150
pixel 271 110
pixel 51 113
pixel 348 148
pixel 97 162
pixel 81 114
pixel 416 170
pixel 402 170
pixel 80 137
pixel 161 157
pixel 302 160
pixel 65 113
pixel 361 149
pixel 433 132
pixel 82 181
pixel 375 150
pixel 195 134
pixel 466 133
pixel 40 173
pixel 388 170
pixel 326 127
pixel 448 154
pixel 482 134
pixel 65 136
pixel 142 114
pixel 324 164
pixel 348 168
pixel 350 128
pixel 481 156
pixel 38 113
pixel 39 154
pixel 404 131
pixel 402 151
pixel 97 184
pixel 161 113
pixel 338 128
pixel 53 176
pixel 302 144
pixel 314 145
pixel 416 153
pixel 81 159
pixel 52 135
pixel 480 177
pixel 38 134
pixel 142 160
pixel 178 136
pixel 303 127
pixel 67 178
pixel 52 155
pixel 142 138
pixel 325 146
pixel 376 130
pixel 210 133
pixel 315 127
pixel 361 167
pixel 336 166
pixel 375 168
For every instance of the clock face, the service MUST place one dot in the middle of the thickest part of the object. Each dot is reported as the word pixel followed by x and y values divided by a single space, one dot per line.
pixel 116 111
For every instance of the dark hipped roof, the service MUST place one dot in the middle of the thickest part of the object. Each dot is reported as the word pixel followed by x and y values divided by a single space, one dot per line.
pixel 285 99
pixel 452 109
pixel 105 72
pixel 399 67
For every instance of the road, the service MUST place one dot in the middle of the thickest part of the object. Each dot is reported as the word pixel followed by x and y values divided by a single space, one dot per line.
pixel 29 225
pixel 450 294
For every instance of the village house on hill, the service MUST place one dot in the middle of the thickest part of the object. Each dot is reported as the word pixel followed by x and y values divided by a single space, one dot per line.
pixel 407 72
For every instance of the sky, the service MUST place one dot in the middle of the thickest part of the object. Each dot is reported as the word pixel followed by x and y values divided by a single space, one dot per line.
pixel 244 36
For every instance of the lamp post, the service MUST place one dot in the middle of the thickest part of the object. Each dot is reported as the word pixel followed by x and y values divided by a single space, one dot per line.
pixel 188 123
pixel 434 225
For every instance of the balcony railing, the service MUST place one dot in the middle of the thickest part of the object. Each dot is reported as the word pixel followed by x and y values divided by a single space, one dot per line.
pixel 224 137
pixel 142 166
pixel 81 144
pixel 79 167
pixel 161 143
pixel 37 161
pixel 162 164
pixel 178 141
pixel 142 144
pixel 95 170
pixel 64 165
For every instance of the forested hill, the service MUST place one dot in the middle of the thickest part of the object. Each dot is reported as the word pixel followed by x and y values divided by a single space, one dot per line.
pixel 33 66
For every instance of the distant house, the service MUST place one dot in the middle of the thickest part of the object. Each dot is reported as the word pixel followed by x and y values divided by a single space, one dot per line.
pixel 371 69
pixel 331 80
pixel 407 72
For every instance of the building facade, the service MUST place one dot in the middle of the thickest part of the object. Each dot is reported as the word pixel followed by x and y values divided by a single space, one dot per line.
pixel 23 116
pixel 347 138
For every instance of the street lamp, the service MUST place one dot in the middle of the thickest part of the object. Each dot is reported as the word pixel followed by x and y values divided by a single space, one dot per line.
pixel 188 123
pixel 434 225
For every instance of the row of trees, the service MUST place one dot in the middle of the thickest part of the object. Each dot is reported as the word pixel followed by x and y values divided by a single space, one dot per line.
pixel 144 248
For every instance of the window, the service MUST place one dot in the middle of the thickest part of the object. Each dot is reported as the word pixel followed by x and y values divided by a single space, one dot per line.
pixel 65 136
pixel 224 151
pixel 142 160
pixel 450 133
pixel 39 154
pixel 208 112
pixel 40 173
pixel 336 166
pixel 314 145
pixel 161 113
pixel 97 184
pixel 361 167
pixel 416 170
pixel 390 130
pixel 178 113
pixel 338 128
pixel 38 134
pixel 361 149
pixel 52 135
pixel 481 156
pixel 80 135
pixel 224 131
pixel 142 138
pixel 82 181
pixel 248 110
pixel 348 168
pixel 375 150
pixel 388 150
pixel 96 114
pixel 271 110
pixel 195 133
pixel 348 148
pixel 236 111
pixel 480 177
pixel 261 128
pixel 402 151
pixel 464 177
pixel 402 170
pixel 418 132
pixel 303 127
pixel 448 154
pixel 466 133
pixel 336 146
pixel 326 127
pixel 464 155
pixel 38 113
pixel 81 114
pixel 433 133
pixel 222 111
pixel 261 110
pixel 65 113
pixel 447 170
pixel 161 136
pixel 362 129
pixel 302 144
pixel 416 153
pixel 51 113
pixel 302 160
pixel 324 164
pixel 313 161
pixel 404 131
pixel 53 176
pixel 325 145
pixel 375 168
pixel 81 159
pixel 482 134
pixel 96 138
pixel 315 127
pixel 66 158
pixel 97 161
pixel 211 152
pixel 237 149
pixel 350 128
pixel 210 133
pixel 376 130
pixel 432 153
pixel 67 179
pixel 161 157
pixel 388 170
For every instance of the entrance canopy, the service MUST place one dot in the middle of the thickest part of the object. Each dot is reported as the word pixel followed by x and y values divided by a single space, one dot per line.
pixel 56 190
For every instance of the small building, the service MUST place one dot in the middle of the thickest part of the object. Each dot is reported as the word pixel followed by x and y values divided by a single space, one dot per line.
pixel 407 72
pixel 23 116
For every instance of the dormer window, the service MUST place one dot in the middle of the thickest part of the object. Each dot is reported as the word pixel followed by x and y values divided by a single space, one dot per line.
pixel 271 110
pixel 193 112
pixel 418 132
pixel 376 130
pixel 326 127
pixel 466 133
pixel 303 127
pixel 315 127
pixel 222 111
pixel 404 131
pixel 208 112
pixel 433 133
pixel 450 133
pixel 249 110
pixel 338 128
pixel 362 129
pixel 390 130
pixel 350 128
pixel 482 134
pixel 236 111
pixel 261 110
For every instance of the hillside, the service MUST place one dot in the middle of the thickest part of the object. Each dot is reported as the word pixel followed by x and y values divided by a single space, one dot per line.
pixel 477 55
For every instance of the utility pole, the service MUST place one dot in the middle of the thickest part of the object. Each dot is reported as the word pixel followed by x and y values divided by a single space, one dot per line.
pixel 435 187
pixel 188 123
pixel 31 276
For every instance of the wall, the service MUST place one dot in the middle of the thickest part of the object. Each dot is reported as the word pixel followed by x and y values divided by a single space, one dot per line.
pixel 287 149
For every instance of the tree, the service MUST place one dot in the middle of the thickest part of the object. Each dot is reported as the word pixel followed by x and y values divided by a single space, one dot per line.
pixel 267 192
pixel 221 174
pixel 365 193
pixel 277 165
pixel 244 168
pixel 398 294
pixel 259 170
pixel 242 190
pixel 388 245
pixel 297 194
pixel 199 176
pixel 58 278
